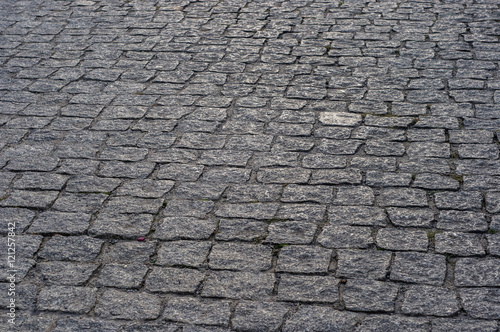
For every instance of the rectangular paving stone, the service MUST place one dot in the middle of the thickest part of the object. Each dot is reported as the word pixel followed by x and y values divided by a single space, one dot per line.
pixel 321 319
pixel 430 300
pixel 249 210
pixel 71 248
pixel 183 253
pixel 481 302
pixel 240 257
pixel 60 222
pixel 239 285
pixel 370 295
pixel 460 244
pixel 117 304
pixel 303 259
pixel 340 237
pixel 402 239
pixel 78 300
pixel 172 280
pixel 362 264
pixel 476 272
pixel 198 311
pixel 308 288
pixel 419 268
pixel 123 225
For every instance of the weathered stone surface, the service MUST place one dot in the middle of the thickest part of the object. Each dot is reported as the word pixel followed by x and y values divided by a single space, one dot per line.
pixel 393 323
pixel 78 300
pixel 463 325
pixel 419 268
pixel 308 288
pixel 71 248
pixel 370 295
pixel 402 239
pixel 198 311
pixel 320 319
pixel 345 237
pixel 165 279
pixel 303 259
pixel 291 232
pixel 174 228
pixel 189 253
pixel 461 244
pixel 239 285
pixel 481 302
pixel 430 300
pixel 363 264
pixel 64 273
pixel 121 275
pixel 477 272
pixel 240 256
pixel 258 316
pixel 127 305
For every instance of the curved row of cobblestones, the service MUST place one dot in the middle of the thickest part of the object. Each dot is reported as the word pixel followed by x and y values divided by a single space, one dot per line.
pixel 250 165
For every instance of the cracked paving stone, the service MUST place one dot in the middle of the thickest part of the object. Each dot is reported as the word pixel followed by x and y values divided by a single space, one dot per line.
pixel 363 264
pixel 78 300
pixel 172 280
pixel 240 257
pixel 198 311
pixel 116 304
pixel 421 268
pixel 370 295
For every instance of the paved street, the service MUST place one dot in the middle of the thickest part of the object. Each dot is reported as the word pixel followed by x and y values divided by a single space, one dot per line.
pixel 250 165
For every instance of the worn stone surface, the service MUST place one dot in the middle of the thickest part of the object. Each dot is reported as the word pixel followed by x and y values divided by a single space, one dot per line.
pixel 250 165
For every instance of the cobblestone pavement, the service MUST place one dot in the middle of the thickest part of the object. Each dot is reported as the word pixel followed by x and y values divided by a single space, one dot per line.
pixel 302 165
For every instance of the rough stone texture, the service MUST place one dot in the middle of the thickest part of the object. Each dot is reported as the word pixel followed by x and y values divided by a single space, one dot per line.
pixel 258 316
pixel 303 259
pixel 224 158
pixel 477 272
pixel 78 300
pixel 320 319
pixel 419 268
pixel 197 311
pixel 369 295
pixel 308 289
pixel 116 304
pixel 402 239
pixel 422 300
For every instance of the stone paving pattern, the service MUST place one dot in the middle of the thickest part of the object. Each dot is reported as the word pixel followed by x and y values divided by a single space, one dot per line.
pixel 302 165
